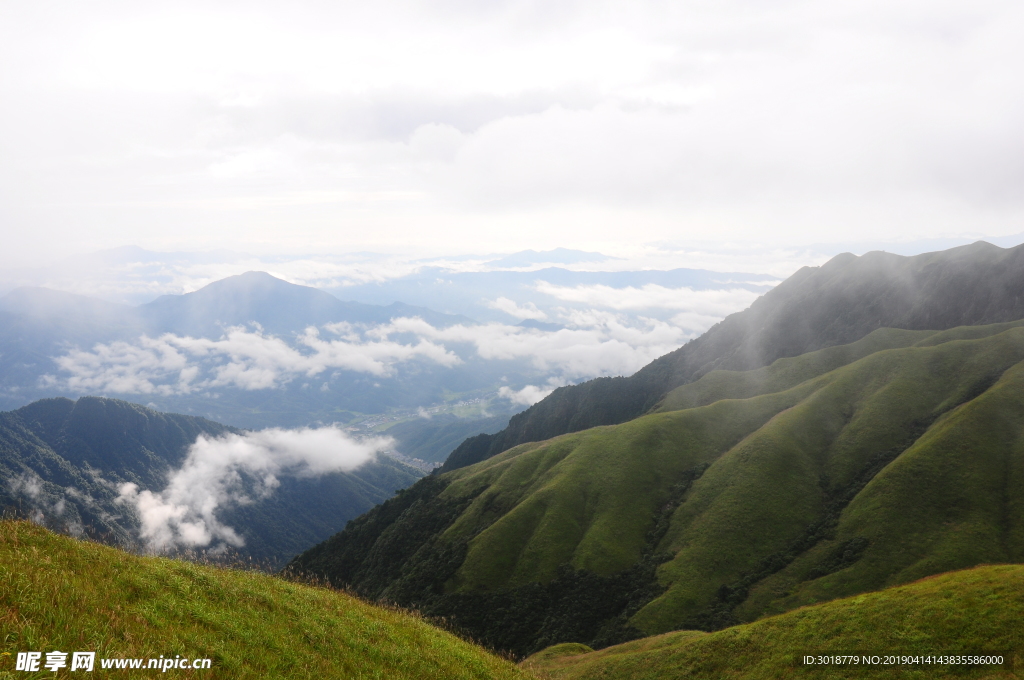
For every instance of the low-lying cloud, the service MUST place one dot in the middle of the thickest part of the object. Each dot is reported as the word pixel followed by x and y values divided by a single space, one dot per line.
pixel 602 344
pixel 531 394
pixel 609 336
pixel 525 311
pixel 597 344
pixel 233 470
pixel 243 359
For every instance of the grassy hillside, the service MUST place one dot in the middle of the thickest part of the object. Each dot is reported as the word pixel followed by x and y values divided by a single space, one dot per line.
pixel 57 593
pixel 61 462
pixel 973 611
pixel 835 473
pixel 817 307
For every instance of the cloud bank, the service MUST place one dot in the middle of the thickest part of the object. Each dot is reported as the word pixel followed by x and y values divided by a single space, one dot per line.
pixel 525 311
pixel 243 359
pixel 232 470
pixel 596 343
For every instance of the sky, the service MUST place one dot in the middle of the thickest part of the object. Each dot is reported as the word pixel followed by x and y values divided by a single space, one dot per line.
pixel 778 129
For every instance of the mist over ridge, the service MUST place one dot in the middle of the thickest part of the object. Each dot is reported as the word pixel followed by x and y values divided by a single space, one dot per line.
pixel 836 303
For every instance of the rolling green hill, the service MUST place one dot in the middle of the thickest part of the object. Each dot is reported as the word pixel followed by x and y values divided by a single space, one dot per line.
pixel 817 307
pixel 834 473
pixel 973 611
pixel 57 593
pixel 61 462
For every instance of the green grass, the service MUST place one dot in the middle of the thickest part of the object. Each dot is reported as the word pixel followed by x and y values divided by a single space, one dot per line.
pixel 57 593
pixel 977 610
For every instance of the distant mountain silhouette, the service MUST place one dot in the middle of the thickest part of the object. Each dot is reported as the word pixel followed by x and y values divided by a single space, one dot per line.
pixel 276 305
pixel 39 324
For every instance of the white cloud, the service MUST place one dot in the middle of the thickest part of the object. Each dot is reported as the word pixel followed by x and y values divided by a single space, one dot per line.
pixel 602 344
pixel 710 303
pixel 531 394
pixel 214 476
pixel 527 311
pixel 596 343
pixel 172 364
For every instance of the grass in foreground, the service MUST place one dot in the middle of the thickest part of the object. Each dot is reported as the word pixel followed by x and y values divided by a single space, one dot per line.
pixel 975 610
pixel 57 593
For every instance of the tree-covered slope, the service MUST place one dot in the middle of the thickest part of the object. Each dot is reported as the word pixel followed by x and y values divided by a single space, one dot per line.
pixel 61 462
pixel 837 303
pixel 841 471
pixel 964 612
pixel 57 593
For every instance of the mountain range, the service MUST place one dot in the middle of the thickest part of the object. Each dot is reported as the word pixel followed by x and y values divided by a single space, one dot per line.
pixel 546 293
pixel 39 326
pixel 856 428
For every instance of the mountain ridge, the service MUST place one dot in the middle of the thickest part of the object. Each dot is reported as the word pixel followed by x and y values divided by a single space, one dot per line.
pixel 836 303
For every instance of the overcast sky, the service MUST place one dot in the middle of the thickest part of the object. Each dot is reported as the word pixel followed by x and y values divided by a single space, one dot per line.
pixel 457 126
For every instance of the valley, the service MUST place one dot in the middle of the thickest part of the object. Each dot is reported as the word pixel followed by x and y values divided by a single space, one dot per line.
pixel 854 434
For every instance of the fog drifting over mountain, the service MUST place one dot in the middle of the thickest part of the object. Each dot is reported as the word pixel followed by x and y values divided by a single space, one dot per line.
pixel 236 469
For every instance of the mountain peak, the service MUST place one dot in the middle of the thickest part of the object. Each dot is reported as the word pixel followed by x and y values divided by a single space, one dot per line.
pixel 252 280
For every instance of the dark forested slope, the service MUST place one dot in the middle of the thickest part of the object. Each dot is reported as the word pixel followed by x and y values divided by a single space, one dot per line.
pixel 61 462
pixel 836 303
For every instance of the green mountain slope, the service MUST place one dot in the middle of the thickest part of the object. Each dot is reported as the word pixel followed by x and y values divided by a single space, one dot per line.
pixel 837 472
pixel 973 611
pixel 61 462
pixel 57 593
pixel 837 303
